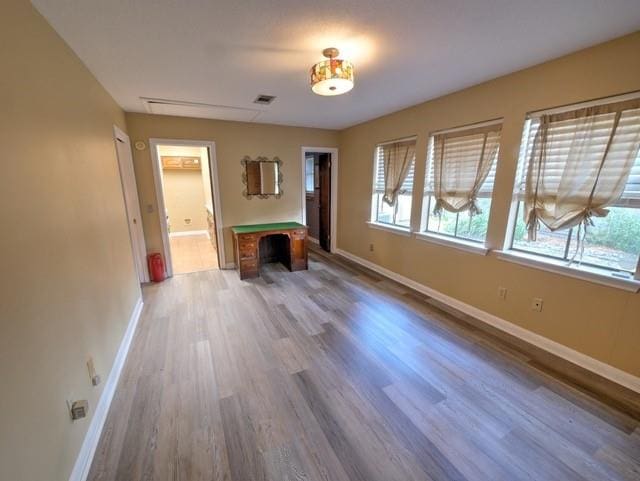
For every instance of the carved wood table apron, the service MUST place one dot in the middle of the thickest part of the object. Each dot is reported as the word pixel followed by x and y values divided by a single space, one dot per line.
pixel 285 242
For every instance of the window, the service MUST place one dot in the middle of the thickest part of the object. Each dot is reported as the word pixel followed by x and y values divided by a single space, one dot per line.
pixel 394 168
pixel 309 172
pixel 465 161
pixel 574 161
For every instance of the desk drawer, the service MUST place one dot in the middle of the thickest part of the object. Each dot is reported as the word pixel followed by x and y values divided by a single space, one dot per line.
pixel 299 235
pixel 248 255
pixel 247 246
pixel 248 264
pixel 246 238
pixel 247 249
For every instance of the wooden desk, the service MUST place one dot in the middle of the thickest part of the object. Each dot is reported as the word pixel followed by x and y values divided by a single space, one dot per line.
pixel 254 245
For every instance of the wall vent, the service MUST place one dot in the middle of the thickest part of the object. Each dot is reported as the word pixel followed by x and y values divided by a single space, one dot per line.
pixel 264 99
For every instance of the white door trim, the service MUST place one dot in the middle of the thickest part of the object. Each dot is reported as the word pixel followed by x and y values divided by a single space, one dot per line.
pixel 334 189
pixel 157 180
pixel 132 205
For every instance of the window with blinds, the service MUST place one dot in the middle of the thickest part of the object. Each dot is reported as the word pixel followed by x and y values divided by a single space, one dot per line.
pixel 407 185
pixel 611 132
pixel 399 214
pixel 467 147
pixel 460 150
pixel 626 131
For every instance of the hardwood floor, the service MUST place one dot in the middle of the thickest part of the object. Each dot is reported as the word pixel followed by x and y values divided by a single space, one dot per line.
pixel 338 374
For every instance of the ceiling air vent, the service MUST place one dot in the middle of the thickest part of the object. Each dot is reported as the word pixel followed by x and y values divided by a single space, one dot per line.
pixel 264 99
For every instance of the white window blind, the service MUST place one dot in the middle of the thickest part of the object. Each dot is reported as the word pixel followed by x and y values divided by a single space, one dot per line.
pixel 563 136
pixel 407 185
pixel 309 173
pixel 461 151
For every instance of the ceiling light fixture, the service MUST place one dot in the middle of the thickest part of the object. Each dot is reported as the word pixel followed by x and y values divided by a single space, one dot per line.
pixel 332 76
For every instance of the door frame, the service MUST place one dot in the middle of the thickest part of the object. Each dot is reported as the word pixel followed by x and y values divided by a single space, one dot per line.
pixel 215 187
pixel 132 206
pixel 333 228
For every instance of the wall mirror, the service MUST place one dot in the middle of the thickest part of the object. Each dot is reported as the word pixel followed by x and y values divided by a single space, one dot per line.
pixel 262 177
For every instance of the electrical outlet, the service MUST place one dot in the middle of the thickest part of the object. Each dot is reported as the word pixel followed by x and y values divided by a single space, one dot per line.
pixel 79 409
pixel 370 247
pixel 536 304
pixel 502 293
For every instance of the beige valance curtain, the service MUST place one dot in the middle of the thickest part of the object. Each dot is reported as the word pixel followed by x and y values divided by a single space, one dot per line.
pixel 579 164
pixel 397 159
pixel 461 162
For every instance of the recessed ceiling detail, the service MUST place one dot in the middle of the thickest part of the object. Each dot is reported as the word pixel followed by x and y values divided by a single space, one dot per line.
pixel 199 110
pixel 405 52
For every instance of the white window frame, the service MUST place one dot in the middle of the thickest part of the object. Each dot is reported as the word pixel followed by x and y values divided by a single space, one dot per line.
pixel 463 243
pixel 594 273
pixel 375 196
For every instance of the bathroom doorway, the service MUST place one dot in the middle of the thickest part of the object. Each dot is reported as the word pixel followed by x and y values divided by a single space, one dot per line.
pixel 188 205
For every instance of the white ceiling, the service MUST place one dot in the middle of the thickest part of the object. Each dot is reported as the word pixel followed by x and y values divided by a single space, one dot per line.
pixel 225 53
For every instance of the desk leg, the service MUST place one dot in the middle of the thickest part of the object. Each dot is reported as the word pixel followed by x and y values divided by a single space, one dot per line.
pixel 298 252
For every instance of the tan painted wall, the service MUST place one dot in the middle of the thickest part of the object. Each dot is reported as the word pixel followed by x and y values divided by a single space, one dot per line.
pixel 599 321
pixel 68 284
pixel 184 199
pixel 233 141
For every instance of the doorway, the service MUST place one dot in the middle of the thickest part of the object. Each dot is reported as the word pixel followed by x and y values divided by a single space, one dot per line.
pixel 320 195
pixel 185 174
pixel 132 205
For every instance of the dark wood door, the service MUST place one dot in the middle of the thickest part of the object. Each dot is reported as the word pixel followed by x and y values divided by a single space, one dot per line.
pixel 325 201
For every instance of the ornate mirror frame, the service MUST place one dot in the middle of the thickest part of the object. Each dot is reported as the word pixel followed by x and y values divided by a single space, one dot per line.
pixel 245 191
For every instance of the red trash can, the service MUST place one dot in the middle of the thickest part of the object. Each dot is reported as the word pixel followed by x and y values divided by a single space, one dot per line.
pixel 156 267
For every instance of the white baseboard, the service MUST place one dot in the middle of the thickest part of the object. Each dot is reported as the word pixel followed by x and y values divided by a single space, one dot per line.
pixel 91 439
pixel 313 240
pixel 230 265
pixel 189 233
pixel 605 370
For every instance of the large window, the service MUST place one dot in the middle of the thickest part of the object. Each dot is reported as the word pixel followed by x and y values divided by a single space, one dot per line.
pixel 577 197
pixel 394 167
pixel 461 169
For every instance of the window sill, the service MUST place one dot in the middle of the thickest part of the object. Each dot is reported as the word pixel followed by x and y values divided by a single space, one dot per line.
pixel 461 244
pixel 404 231
pixel 590 274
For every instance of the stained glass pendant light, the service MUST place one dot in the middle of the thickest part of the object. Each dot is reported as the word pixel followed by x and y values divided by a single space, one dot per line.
pixel 332 76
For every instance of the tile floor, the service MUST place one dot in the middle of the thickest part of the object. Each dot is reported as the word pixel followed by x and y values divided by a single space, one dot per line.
pixel 192 254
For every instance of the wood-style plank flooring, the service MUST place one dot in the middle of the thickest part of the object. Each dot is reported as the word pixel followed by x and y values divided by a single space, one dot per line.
pixel 338 374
